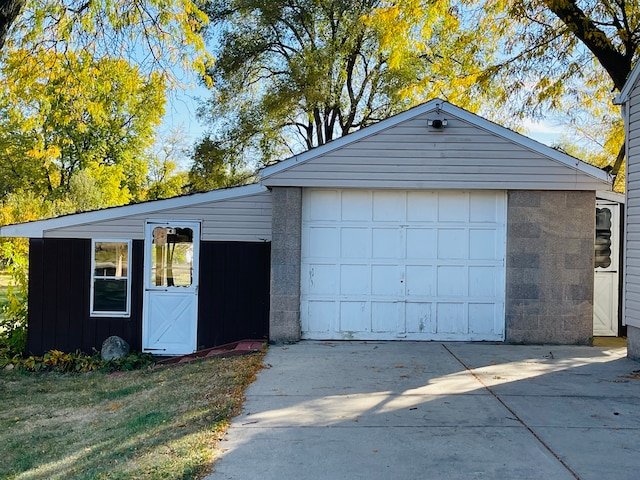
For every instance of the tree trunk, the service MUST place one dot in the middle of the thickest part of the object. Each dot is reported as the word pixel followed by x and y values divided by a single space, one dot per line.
pixel 9 11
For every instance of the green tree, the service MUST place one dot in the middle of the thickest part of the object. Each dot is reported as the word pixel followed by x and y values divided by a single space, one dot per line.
pixel 154 34
pixel 97 118
pixel 291 75
pixel 567 56
pixel 216 166
pixel 165 179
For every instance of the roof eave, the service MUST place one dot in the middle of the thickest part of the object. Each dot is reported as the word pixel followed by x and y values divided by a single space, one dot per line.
pixel 36 229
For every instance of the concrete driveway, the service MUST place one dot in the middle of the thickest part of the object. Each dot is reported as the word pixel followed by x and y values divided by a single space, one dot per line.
pixel 416 410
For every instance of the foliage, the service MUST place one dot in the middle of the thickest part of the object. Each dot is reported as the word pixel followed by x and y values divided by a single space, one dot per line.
pixel 13 322
pixel 77 362
pixel 292 75
pixel 76 116
pixel 154 34
pixel 164 178
pixel 566 56
pixel 215 166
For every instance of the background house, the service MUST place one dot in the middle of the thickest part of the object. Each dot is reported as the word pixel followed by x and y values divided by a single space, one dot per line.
pixel 435 224
pixel 629 98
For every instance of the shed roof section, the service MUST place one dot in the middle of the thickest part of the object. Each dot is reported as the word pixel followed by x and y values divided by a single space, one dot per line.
pixel 234 214
pixel 470 152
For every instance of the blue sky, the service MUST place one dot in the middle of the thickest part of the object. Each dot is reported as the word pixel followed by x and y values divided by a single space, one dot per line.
pixel 183 104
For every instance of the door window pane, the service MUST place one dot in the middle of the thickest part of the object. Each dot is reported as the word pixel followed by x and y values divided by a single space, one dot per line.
pixel 172 252
pixel 603 238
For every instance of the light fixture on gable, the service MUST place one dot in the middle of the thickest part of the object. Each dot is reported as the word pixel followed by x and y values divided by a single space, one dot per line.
pixel 437 123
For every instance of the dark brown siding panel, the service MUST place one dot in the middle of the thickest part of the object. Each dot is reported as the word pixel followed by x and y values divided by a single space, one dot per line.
pixel 59 289
pixel 233 301
pixel 233 296
pixel 36 291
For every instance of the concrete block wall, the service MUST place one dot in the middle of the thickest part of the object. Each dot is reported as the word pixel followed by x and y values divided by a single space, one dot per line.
pixel 284 315
pixel 549 267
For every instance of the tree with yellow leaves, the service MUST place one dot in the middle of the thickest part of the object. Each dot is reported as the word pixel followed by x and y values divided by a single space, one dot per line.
pixel 69 124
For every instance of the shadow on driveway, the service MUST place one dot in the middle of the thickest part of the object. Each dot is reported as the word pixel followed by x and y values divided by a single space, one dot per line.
pixel 405 410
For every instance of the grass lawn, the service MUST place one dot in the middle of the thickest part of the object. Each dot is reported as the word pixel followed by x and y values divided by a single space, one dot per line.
pixel 148 424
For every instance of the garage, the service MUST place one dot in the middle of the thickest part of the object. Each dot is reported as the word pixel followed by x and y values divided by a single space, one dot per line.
pixel 403 264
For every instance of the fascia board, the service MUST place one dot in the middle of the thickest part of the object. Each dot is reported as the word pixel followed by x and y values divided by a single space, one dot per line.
pixel 37 228
pixel 623 96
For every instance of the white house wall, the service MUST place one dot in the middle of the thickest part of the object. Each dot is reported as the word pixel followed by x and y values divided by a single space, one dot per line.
pixel 411 155
pixel 632 232
pixel 246 218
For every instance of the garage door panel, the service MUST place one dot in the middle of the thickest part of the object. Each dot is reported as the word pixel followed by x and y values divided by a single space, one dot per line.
pixel 385 318
pixel 318 316
pixel 451 318
pixel 419 318
pixel 322 205
pixel 451 281
pixel 482 244
pixel 323 242
pixel 389 206
pixel 419 281
pixel 320 279
pixel 386 280
pixel 422 207
pixel 453 207
pixel 482 318
pixel 387 242
pixel 355 280
pixel 421 243
pixel 356 205
pixel 483 207
pixel 355 316
pixel 483 282
pixel 355 243
pixel 404 264
pixel 452 243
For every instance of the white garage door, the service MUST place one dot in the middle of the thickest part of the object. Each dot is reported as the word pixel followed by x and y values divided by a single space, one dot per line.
pixel 413 265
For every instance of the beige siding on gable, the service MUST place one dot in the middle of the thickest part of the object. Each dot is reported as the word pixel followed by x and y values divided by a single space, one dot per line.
pixel 246 218
pixel 414 156
pixel 632 229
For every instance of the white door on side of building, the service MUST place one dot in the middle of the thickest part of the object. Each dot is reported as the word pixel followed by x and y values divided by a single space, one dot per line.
pixel 170 309
pixel 607 273
pixel 415 265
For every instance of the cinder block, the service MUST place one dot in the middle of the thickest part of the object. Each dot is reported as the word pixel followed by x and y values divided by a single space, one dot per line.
pixel 526 198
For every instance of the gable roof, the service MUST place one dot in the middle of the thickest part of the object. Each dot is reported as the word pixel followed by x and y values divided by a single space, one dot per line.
pixel 37 229
pixel 623 96
pixel 404 152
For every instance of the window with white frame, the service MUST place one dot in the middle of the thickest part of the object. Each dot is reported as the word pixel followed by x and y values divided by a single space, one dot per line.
pixel 111 278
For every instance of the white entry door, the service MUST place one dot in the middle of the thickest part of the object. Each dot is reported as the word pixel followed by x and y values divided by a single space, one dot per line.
pixel 170 312
pixel 606 275
pixel 415 265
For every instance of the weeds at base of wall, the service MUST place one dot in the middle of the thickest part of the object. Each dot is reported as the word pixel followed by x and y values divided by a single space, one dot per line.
pixel 77 362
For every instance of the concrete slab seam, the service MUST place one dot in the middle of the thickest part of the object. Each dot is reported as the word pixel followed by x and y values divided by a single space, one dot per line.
pixel 512 412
